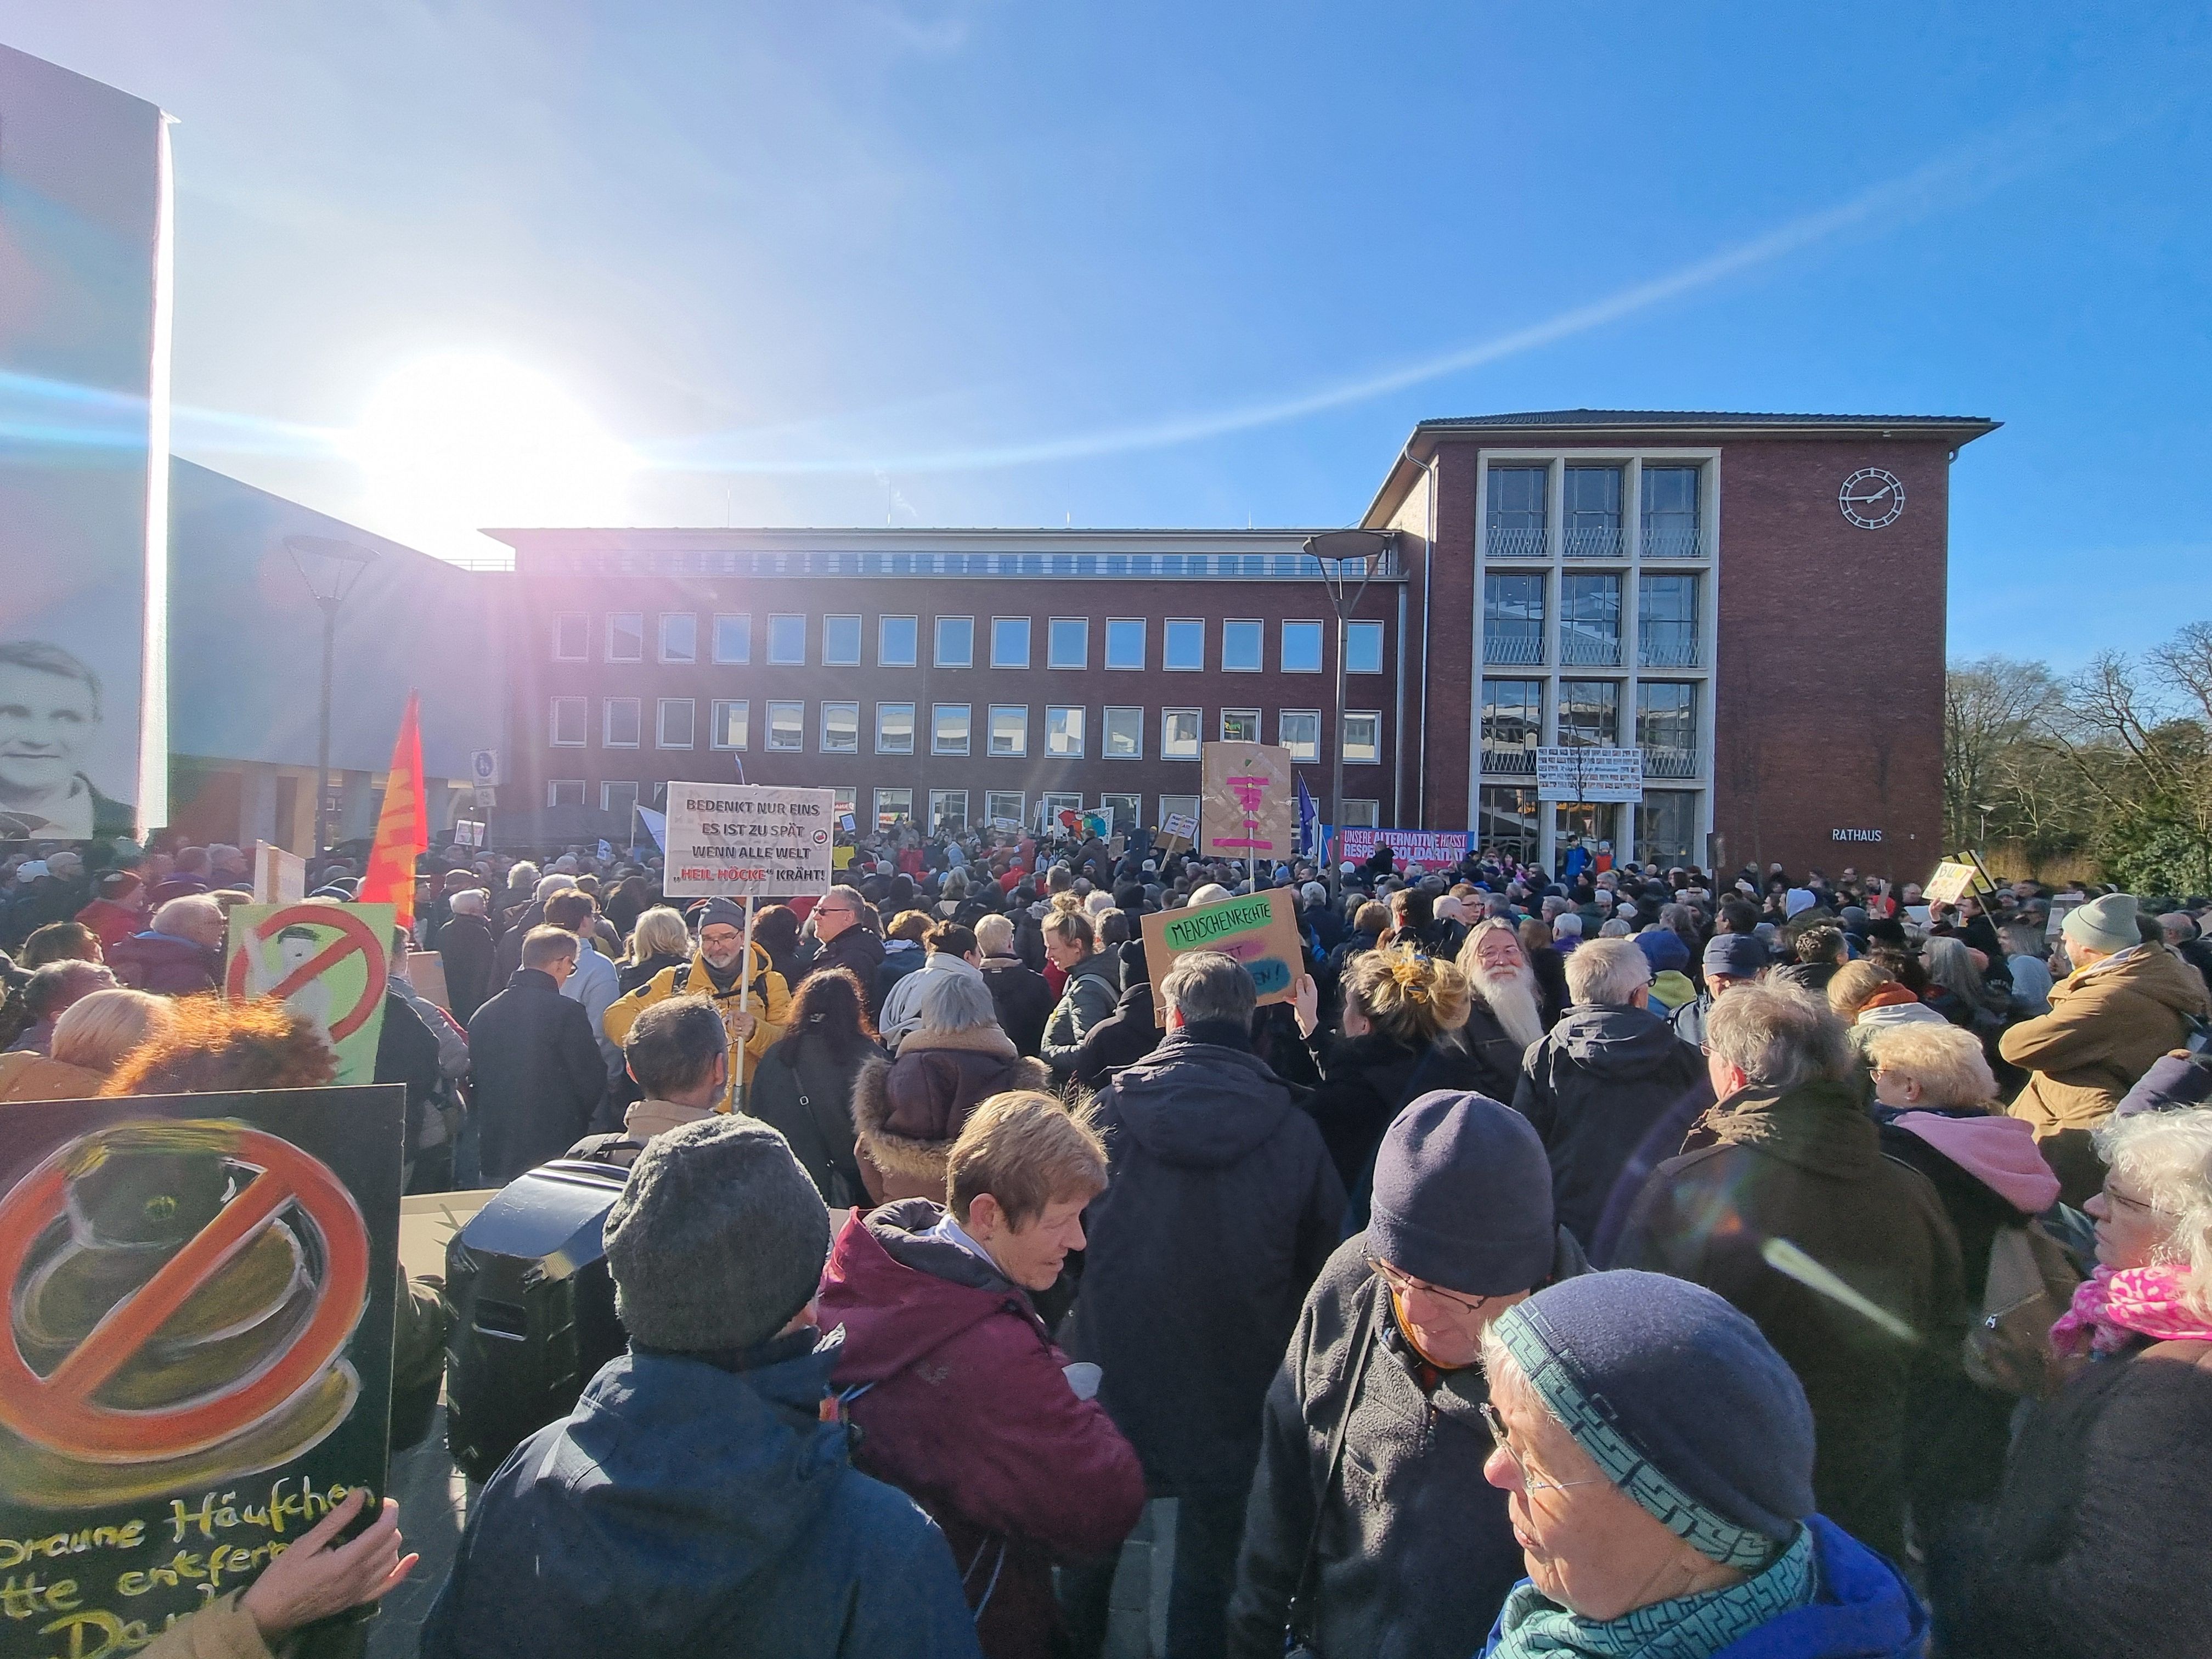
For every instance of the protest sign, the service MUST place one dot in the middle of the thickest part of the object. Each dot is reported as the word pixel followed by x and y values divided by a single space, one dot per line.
pixel 1181 825
pixel 732 839
pixel 1432 849
pixel 279 876
pixel 1583 773
pixel 196 1348
pixel 468 832
pixel 328 962
pixel 426 972
pixel 1245 811
pixel 1260 930
pixel 1952 882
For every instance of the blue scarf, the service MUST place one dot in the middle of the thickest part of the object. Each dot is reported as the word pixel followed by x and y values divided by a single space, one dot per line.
pixel 1688 1627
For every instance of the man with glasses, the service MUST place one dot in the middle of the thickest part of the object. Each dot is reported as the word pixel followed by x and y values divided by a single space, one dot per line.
pixel 1379 1406
pixel 844 923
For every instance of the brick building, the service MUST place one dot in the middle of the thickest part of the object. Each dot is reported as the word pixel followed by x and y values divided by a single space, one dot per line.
pixel 1756 601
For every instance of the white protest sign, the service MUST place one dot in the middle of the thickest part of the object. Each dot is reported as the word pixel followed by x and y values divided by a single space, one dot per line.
pixel 736 839
pixel 1583 773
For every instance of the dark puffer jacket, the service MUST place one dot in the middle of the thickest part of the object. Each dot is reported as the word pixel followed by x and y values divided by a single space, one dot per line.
pixel 805 1089
pixel 1363 1081
pixel 1594 1087
pixel 908 1112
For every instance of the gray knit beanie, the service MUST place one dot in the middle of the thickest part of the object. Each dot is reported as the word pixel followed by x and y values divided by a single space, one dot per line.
pixel 718 1239
pixel 2106 924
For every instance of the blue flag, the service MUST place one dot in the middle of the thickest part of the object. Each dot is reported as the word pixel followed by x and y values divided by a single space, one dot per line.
pixel 1309 823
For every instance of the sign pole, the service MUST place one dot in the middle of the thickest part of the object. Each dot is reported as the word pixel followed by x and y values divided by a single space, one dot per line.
pixel 744 1001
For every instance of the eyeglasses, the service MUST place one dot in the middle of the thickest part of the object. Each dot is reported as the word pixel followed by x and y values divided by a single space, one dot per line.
pixel 1531 1482
pixel 1405 1287
pixel 2114 1195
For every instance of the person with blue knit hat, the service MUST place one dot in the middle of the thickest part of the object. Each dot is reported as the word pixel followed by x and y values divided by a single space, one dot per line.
pixel 1656 1456
pixel 1378 1406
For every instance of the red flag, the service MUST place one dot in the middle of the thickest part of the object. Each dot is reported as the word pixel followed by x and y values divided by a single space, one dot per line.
pixel 402 828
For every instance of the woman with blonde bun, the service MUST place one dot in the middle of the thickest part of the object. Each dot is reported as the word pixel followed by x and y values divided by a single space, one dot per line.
pixel 1397 1002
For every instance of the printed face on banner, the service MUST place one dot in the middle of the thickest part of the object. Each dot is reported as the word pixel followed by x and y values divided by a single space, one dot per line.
pixel 736 839
pixel 326 961
pixel 196 1349
pixel 1245 809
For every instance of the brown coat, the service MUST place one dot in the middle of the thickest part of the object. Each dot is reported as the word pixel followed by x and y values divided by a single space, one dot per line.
pixel 908 1112
pixel 26 1076
pixel 2105 1026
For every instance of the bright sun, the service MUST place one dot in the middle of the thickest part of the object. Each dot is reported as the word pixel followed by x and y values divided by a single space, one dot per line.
pixel 453 444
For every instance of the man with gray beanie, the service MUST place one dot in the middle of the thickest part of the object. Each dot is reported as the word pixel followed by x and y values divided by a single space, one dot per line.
pixel 2128 999
pixel 700 1497
pixel 1377 1406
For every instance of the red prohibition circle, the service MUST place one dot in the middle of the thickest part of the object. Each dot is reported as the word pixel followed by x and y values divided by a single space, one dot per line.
pixel 57 1411
pixel 355 935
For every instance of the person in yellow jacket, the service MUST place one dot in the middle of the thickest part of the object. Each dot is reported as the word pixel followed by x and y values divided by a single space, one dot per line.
pixel 713 973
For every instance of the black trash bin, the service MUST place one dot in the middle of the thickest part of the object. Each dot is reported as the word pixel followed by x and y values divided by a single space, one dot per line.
pixel 533 1310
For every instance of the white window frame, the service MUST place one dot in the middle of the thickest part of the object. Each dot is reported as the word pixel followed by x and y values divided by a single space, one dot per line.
pixel 937 641
pixel 661 712
pixel 1362 814
pixel 1281 714
pixel 1144 644
pixel 1134 802
pixel 1053 802
pixel 1381 646
pixel 879 796
pixel 991 751
pixel 1171 804
pixel 1028 640
pixel 937 796
pixel 744 621
pixel 555 785
pixel 583 618
pixel 1198 734
pixel 845 798
pixel 607 722
pixel 1105 732
pixel 822 727
pixel 775 616
pixel 967 714
pixel 1052 624
pixel 661 635
pixel 913 658
pixel 1345 741
pixel 1082 733
pixel 614 616
pixel 1228 623
pixel 608 788
pixel 770 745
pixel 582 706
pixel 1222 729
pixel 1283 643
pixel 714 724
pixel 994 799
pixel 1167 634
pixel 911 711
pixel 859 635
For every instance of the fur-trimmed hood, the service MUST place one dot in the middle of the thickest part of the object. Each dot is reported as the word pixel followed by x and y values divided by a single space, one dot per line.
pixel 908 1112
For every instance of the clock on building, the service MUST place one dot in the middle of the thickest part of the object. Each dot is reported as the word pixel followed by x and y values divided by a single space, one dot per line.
pixel 1871 498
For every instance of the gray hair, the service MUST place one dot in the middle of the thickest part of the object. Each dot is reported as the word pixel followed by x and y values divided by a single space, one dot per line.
pixel 1606 973
pixel 1778 1037
pixel 550 885
pixel 2167 1157
pixel 1206 985
pixel 994 935
pixel 958 1001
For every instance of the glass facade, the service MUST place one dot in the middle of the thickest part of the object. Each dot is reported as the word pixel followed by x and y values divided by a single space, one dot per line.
pixel 1513 617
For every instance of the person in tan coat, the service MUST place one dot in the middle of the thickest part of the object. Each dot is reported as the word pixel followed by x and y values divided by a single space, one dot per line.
pixel 2127 1002
pixel 90 1042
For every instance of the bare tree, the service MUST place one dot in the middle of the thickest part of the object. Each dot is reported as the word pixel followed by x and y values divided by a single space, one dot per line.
pixel 1992 708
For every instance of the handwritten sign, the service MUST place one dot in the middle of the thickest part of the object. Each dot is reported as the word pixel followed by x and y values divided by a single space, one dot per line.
pixel 1245 812
pixel 1580 772
pixel 738 838
pixel 326 961
pixel 196 1296
pixel 1952 882
pixel 1432 849
pixel 1260 930
pixel 1182 826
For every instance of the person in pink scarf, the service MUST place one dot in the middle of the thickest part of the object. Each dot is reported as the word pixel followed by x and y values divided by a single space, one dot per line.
pixel 2095 1543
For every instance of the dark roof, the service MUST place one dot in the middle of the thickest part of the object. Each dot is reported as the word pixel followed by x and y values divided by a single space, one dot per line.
pixel 1650 418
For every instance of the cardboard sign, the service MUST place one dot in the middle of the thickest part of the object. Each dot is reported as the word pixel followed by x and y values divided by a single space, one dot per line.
pixel 1245 812
pixel 328 962
pixel 1260 930
pixel 279 876
pixel 1952 882
pixel 732 839
pixel 196 1351
pixel 1432 849
pixel 1582 773
pixel 426 972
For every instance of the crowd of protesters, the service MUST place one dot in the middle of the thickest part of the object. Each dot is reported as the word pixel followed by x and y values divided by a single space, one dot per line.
pixel 1622 1260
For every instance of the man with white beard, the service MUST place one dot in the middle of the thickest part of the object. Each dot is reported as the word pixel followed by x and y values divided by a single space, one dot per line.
pixel 1507 1014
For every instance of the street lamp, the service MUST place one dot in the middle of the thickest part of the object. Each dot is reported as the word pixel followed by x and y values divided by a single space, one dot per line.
pixel 330 567
pixel 1342 555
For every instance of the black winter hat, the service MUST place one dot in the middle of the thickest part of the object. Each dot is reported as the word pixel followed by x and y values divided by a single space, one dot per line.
pixel 1463 1197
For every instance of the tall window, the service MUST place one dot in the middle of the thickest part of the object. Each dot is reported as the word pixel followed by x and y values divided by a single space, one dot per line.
pixel 787 640
pixel 1240 726
pixel 1003 807
pixel 1176 806
pixel 1243 644
pixel 1667 728
pixel 1183 644
pixel 1516 521
pixel 734 639
pixel 787 726
pixel 1593 513
pixel 1298 730
pixel 1179 733
pixel 948 810
pixel 1508 821
pixel 625 637
pixel 948 728
pixel 1010 641
pixel 1513 617
pixel 679 636
pixel 955 642
pixel 1363 647
pixel 841 642
pixel 1301 648
pixel 572 636
pixel 896 641
pixel 1063 732
pixel 1590 712
pixel 729 724
pixel 1009 730
pixel 566 728
pixel 893 807
pixel 1363 737
pixel 620 799
pixel 1068 643
pixel 1123 734
pixel 895 728
pixel 841 728
pixel 677 717
pixel 1590 620
pixel 623 722
pixel 1125 642
pixel 1670 512
pixel 1512 725
pixel 1667 826
pixel 1667 621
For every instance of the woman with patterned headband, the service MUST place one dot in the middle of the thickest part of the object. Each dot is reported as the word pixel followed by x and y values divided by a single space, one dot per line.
pixel 1656 1456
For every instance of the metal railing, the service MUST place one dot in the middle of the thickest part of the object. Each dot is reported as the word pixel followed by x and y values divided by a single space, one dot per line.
pixel 1595 542
pixel 1523 650
pixel 1666 650
pixel 1582 649
pixel 1509 763
pixel 1669 763
pixel 1673 542
pixel 1524 543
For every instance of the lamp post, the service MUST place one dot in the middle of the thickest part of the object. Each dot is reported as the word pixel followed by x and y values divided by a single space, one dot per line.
pixel 330 567
pixel 1343 554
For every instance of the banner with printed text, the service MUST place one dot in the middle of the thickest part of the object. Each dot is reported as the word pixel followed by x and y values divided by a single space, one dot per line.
pixel 731 839
pixel 1432 849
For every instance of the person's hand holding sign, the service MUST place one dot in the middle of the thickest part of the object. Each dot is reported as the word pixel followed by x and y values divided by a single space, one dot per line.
pixel 319 1577
pixel 742 1023
pixel 1305 1002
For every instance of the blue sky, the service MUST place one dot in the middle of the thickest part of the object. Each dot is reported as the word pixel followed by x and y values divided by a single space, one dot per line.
pixel 1171 265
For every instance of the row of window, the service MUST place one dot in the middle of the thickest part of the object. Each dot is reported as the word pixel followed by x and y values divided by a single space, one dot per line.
pixel 1591 510
pixel 1515 623
pixel 951 728
pixel 1010 641
pixel 1590 712
pixel 1664 823
pixel 950 807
